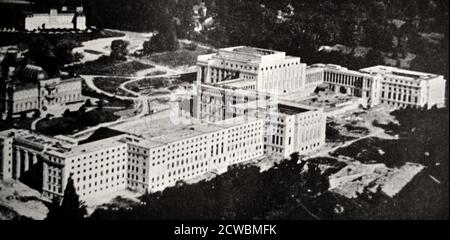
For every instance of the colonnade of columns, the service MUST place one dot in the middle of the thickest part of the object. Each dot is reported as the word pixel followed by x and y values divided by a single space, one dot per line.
pixel 27 158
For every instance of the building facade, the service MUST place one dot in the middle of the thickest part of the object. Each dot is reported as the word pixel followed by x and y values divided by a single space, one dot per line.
pixel 404 88
pixel 266 70
pixel 56 20
pixel 26 89
pixel 127 161
pixel 345 81
pixel 162 161
pixel 291 128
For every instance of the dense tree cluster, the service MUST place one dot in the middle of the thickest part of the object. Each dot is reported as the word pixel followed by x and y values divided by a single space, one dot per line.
pixel 388 27
pixel 51 56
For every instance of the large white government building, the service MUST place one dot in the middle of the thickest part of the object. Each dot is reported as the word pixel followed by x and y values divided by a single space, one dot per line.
pixel 403 88
pixel 263 70
pixel 124 161
pixel 289 127
pixel 239 115
pixel 247 81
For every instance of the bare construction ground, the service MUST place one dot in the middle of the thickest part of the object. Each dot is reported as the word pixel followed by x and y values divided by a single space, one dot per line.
pixel 17 199
pixel 357 151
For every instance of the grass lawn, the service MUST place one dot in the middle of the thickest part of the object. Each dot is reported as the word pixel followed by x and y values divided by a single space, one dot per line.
pixel 155 73
pixel 16 123
pixel 180 57
pixel 105 66
pixel 156 83
pixel 149 83
pixel 111 85
pixel 109 101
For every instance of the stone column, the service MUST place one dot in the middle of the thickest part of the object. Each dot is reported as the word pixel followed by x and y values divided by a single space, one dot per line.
pixel 44 175
pixel 17 175
pixel 34 158
pixel 34 161
pixel 26 162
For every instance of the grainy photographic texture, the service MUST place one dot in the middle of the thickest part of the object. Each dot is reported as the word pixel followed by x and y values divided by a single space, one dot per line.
pixel 214 109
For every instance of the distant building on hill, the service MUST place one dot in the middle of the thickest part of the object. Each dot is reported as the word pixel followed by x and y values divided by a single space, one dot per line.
pixel 56 20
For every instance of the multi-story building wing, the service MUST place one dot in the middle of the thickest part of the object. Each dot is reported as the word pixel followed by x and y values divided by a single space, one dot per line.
pixel 164 160
pixel 293 128
pixel 97 167
pixel 264 70
pixel 288 127
pixel 403 88
pixel 218 102
pixel 127 161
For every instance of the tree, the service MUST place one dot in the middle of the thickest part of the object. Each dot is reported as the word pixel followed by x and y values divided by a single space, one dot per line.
pixel 71 207
pixel 373 58
pixel 37 113
pixel 66 113
pixel 315 182
pixel 82 109
pixel 40 52
pixel 119 50
pixel 166 38
pixel 63 50
pixel 100 104
pixel 88 103
pixel 54 209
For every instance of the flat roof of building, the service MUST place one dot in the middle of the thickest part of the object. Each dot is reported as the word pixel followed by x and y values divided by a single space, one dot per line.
pixel 58 146
pixel 93 146
pixel 253 50
pixel 178 133
pixel 394 71
pixel 336 68
pixel 238 83
pixel 38 140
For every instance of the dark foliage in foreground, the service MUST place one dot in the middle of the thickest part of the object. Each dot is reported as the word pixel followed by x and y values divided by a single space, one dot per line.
pixel 242 193
pixel 71 208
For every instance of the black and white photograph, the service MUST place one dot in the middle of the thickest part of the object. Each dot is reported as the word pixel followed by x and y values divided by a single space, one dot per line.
pixel 248 110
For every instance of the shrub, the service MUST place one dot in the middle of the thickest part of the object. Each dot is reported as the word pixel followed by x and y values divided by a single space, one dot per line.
pixel 191 46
